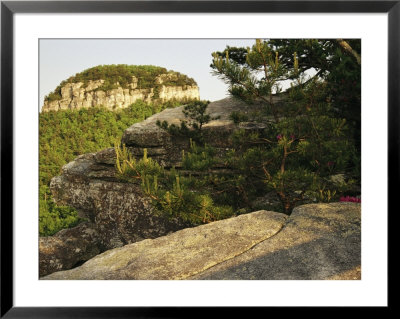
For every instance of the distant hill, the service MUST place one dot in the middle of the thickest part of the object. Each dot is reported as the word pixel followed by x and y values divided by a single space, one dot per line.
pixel 118 86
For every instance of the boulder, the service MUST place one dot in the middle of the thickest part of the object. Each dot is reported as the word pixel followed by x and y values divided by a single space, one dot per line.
pixel 318 241
pixel 119 211
pixel 68 248
pixel 183 253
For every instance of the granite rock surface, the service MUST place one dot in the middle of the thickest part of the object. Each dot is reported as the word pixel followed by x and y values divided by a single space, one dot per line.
pixel 318 241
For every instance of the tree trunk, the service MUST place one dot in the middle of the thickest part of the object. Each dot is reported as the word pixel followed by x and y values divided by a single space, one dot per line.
pixel 347 48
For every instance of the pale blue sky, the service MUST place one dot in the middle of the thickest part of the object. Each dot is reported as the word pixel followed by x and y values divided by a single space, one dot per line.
pixel 61 58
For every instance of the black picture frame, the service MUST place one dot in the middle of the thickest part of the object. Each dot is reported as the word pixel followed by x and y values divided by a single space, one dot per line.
pixel 9 8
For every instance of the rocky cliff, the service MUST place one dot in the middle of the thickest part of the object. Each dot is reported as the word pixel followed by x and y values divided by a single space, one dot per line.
pixel 76 94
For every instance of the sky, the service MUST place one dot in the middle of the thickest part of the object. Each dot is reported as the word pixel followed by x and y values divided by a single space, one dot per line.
pixel 61 58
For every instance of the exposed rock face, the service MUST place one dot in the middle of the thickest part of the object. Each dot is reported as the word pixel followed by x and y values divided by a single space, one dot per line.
pixel 183 253
pixel 120 212
pixel 67 248
pixel 76 96
pixel 318 241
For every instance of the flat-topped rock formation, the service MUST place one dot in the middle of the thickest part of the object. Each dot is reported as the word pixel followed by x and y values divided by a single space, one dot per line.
pixel 85 90
pixel 318 241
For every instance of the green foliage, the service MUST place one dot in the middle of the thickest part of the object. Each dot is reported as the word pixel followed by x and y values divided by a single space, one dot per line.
pixel 129 168
pixel 196 117
pixel 238 117
pixel 199 158
pixel 156 93
pixel 121 75
pixel 54 96
pixel 63 135
pixel 337 67
pixel 53 218
pixel 293 156
pixel 235 54
pixel 190 206
pixel 306 143
pixel 325 195
pixel 195 112
pixel 257 79
pixel 182 130
pixel 173 195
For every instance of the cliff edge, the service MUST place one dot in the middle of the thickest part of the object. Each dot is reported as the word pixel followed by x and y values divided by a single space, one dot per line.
pixel 100 86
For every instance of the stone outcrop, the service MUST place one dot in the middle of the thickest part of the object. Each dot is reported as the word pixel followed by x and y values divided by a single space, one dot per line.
pixel 119 212
pixel 318 241
pixel 183 253
pixel 76 95
pixel 68 248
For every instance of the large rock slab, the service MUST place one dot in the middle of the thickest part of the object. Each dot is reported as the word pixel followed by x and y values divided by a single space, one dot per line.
pixel 319 241
pixel 183 253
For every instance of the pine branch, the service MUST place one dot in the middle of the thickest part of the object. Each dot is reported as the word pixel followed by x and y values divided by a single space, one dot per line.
pixel 347 48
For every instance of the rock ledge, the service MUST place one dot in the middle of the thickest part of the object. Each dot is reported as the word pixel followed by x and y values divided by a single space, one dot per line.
pixel 318 241
pixel 180 254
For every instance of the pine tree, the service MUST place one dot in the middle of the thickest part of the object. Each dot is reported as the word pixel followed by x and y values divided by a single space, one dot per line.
pixel 307 142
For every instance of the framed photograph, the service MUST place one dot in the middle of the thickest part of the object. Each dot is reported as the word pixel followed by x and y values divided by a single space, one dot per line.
pixel 161 156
